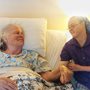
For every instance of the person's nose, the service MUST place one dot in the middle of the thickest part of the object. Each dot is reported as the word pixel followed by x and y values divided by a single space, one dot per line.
pixel 21 33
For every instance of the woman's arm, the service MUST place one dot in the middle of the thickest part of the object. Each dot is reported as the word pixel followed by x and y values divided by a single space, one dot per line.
pixel 62 73
pixel 51 75
pixel 76 67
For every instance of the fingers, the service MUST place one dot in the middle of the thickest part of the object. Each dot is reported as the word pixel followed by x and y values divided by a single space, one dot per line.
pixel 71 66
pixel 6 87
pixel 8 84
pixel 12 86
pixel 66 75
pixel 74 67
pixel 1 88
pixel 62 79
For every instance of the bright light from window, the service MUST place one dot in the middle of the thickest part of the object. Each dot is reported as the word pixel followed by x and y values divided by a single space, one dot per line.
pixel 75 7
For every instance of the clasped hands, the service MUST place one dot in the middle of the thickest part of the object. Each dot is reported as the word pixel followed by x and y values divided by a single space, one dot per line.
pixel 65 74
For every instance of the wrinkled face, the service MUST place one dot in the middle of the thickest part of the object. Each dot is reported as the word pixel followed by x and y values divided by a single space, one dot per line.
pixel 14 37
pixel 75 27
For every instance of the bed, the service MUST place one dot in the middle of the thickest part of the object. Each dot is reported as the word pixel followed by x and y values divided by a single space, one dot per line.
pixel 47 43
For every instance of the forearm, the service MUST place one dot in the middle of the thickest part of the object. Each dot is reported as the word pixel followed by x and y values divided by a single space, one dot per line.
pixel 51 75
pixel 85 68
pixel 77 67
pixel 65 63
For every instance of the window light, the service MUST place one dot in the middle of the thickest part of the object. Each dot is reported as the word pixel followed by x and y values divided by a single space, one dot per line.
pixel 75 7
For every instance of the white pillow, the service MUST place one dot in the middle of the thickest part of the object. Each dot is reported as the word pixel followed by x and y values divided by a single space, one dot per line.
pixel 35 32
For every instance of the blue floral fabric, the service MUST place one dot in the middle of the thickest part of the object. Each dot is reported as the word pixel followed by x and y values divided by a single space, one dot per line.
pixel 28 79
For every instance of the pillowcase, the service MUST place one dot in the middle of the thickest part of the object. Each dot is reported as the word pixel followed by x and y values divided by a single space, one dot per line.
pixel 34 30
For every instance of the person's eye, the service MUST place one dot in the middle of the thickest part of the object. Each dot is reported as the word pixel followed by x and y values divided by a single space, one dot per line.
pixel 72 26
pixel 21 33
pixel 16 32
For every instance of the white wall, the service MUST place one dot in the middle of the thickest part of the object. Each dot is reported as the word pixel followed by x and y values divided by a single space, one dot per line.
pixel 34 8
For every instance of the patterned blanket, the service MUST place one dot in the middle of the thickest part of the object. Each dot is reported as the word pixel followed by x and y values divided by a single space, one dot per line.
pixel 26 79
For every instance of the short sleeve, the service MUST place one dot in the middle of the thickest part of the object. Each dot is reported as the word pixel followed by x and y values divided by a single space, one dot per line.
pixel 65 54
pixel 42 65
pixel 38 63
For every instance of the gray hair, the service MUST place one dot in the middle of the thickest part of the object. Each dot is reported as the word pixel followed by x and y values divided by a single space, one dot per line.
pixel 87 24
pixel 85 20
pixel 4 31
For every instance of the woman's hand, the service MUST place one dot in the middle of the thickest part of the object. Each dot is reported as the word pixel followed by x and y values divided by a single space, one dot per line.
pixel 7 84
pixel 66 74
pixel 74 67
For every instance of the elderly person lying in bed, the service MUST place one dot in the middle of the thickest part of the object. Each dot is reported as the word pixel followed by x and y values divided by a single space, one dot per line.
pixel 30 71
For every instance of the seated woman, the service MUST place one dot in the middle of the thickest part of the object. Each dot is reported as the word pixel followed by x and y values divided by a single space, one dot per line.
pixel 30 71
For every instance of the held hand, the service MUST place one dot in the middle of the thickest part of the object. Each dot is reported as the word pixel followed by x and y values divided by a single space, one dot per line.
pixel 7 84
pixel 74 67
pixel 66 74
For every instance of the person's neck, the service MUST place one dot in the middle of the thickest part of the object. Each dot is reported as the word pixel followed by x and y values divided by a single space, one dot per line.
pixel 82 39
pixel 13 51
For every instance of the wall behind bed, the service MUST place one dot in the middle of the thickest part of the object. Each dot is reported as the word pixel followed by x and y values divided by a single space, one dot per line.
pixel 33 9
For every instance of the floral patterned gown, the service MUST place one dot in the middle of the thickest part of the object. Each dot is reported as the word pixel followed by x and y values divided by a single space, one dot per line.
pixel 24 68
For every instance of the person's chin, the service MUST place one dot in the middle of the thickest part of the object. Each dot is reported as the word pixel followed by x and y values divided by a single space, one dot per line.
pixel 74 36
pixel 21 44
